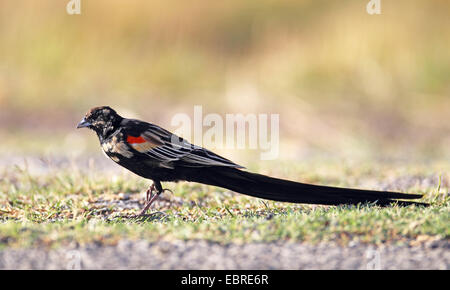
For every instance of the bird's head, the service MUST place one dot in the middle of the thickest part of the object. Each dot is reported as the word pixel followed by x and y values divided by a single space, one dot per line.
pixel 100 119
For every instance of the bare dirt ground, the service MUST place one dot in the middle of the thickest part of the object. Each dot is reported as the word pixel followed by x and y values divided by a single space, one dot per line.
pixel 206 255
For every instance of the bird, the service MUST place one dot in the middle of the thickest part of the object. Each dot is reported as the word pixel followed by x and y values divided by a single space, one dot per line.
pixel 154 153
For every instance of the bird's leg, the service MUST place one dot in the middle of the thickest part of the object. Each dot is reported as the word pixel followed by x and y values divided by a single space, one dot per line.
pixel 153 197
pixel 150 198
pixel 149 203
pixel 149 193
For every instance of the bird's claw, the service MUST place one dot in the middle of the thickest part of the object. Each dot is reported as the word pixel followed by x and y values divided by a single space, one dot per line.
pixel 149 193
pixel 151 197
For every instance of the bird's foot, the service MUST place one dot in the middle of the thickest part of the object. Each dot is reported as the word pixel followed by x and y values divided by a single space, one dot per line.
pixel 149 193
pixel 150 198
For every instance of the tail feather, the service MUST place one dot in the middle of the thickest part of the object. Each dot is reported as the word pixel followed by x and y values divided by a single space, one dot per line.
pixel 266 187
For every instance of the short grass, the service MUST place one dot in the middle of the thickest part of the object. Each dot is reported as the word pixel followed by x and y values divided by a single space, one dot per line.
pixel 70 208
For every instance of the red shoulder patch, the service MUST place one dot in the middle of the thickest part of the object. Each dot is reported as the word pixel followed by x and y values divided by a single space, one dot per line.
pixel 135 140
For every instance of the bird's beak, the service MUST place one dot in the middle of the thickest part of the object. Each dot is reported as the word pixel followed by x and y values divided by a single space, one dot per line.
pixel 83 124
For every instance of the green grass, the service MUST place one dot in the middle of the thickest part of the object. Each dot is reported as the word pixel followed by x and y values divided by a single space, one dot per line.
pixel 62 208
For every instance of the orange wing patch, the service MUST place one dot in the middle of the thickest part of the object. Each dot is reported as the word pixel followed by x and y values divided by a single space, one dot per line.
pixel 135 140
pixel 141 144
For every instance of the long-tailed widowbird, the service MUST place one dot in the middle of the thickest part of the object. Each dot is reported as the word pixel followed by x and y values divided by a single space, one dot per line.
pixel 154 153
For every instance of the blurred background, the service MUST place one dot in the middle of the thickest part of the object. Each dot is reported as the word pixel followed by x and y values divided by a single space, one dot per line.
pixel 347 85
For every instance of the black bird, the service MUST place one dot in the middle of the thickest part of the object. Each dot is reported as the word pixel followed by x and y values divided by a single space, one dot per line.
pixel 154 153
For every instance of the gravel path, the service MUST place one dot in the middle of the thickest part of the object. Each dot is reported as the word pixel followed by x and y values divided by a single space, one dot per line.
pixel 207 255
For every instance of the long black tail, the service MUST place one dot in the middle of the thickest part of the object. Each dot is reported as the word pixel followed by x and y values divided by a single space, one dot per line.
pixel 266 187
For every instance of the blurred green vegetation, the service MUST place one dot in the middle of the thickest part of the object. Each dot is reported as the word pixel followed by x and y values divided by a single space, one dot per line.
pixel 343 81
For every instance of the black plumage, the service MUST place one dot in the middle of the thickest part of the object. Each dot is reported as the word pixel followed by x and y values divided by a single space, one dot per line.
pixel 154 153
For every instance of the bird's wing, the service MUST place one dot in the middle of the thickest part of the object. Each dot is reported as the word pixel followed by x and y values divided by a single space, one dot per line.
pixel 170 149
